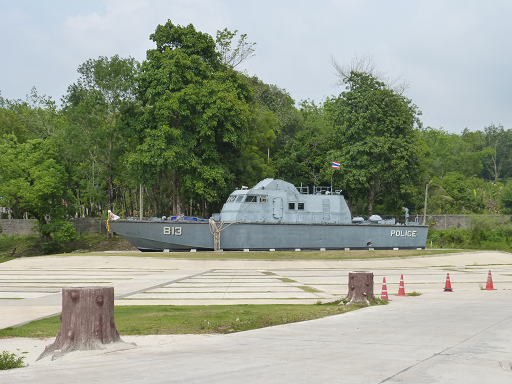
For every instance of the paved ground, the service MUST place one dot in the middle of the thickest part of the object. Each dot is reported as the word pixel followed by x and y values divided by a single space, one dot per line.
pixel 459 337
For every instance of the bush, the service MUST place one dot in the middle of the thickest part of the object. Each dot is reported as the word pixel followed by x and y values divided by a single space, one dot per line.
pixel 61 232
pixel 10 361
pixel 484 233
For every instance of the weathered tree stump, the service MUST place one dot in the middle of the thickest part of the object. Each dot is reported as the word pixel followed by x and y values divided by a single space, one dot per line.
pixel 360 287
pixel 87 321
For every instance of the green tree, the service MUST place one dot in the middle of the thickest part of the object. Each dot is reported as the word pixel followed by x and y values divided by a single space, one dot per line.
pixel 255 163
pixel 505 198
pixel 465 198
pixel 282 105
pixel 497 162
pixel 34 181
pixel 93 139
pixel 486 194
pixel 229 54
pixel 35 118
pixel 375 140
pixel 196 116
pixel 305 158
pixel 450 152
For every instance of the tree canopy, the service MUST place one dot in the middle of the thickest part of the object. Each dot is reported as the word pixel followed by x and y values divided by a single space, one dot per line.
pixel 375 140
pixel 93 106
pixel 184 128
pixel 196 115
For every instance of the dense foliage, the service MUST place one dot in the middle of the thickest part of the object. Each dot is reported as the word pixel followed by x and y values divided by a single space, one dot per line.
pixel 484 233
pixel 186 128
pixel 376 142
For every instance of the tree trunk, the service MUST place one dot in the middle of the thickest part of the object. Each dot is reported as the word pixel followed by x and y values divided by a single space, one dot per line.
pixel 360 287
pixel 177 201
pixel 371 199
pixel 87 321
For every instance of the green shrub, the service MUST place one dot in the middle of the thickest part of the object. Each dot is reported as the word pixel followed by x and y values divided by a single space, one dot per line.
pixel 484 233
pixel 60 232
pixel 10 361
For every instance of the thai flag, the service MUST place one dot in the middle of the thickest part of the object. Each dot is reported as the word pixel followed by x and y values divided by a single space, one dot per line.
pixel 336 165
pixel 111 215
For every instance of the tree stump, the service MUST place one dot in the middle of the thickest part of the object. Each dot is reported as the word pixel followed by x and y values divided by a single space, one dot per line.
pixel 87 321
pixel 360 287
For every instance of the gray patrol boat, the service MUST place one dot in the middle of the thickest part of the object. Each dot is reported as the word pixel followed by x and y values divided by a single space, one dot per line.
pixel 274 215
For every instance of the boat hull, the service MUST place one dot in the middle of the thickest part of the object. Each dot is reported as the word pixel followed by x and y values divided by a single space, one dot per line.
pixel 187 236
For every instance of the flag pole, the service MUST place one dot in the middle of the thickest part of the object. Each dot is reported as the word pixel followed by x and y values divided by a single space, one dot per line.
pixel 331 176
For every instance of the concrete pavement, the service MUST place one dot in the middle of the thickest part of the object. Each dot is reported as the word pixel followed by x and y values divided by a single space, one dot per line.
pixel 459 337
pixel 30 288
pixel 462 337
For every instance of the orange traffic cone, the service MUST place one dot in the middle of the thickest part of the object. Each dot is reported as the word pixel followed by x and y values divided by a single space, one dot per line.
pixel 489 286
pixel 384 295
pixel 448 285
pixel 401 289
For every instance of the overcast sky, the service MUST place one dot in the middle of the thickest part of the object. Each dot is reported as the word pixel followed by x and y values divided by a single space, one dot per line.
pixel 454 54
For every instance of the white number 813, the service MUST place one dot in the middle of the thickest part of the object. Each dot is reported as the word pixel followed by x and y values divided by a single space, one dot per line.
pixel 176 231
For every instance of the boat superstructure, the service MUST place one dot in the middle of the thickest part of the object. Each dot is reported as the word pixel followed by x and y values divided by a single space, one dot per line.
pixel 274 215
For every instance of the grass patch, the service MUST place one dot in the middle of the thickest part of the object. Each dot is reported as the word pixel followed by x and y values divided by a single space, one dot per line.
pixel 96 245
pixel 11 360
pixel 309 289
pixel 4 259
pixel 12 246
pixel 92 242
pixel 288 255
pixel 413 294
pixel 194 319
pixel 286 280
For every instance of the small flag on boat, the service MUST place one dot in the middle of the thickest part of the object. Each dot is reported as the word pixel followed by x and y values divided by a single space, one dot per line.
pixel 335 165
pixel 111 215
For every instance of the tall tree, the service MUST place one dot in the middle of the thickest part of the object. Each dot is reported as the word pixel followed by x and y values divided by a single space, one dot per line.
pixel 196 115
pixel 376 142
pixel 280 102
pixel 255 163
pixel 303 158
pixel 94 105
pixel 498 157
pixel 451 152
pixel 37 117
pixel 34 181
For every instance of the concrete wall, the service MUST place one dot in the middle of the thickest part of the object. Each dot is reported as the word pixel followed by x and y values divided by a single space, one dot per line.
pixel 89 225
pixel 26 227
pixel 18 227
pixel 97 225
pixel 459 221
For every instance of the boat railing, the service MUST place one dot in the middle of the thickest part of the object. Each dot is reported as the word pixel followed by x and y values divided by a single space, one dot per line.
pixel 178 218
pixel 321 190
pixel 303 189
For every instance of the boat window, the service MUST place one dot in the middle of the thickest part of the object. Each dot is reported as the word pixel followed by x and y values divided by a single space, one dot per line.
pixel 263 199
pixel 300 206
pixel 291 205
pixel 251 199
pixel 231 199
pixel 240 198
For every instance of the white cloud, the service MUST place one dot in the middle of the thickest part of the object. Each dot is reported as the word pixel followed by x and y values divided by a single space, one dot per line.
pixel 454 54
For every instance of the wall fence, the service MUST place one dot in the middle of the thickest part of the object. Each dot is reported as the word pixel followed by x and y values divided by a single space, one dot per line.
pixel 29 227
pixel 97 225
